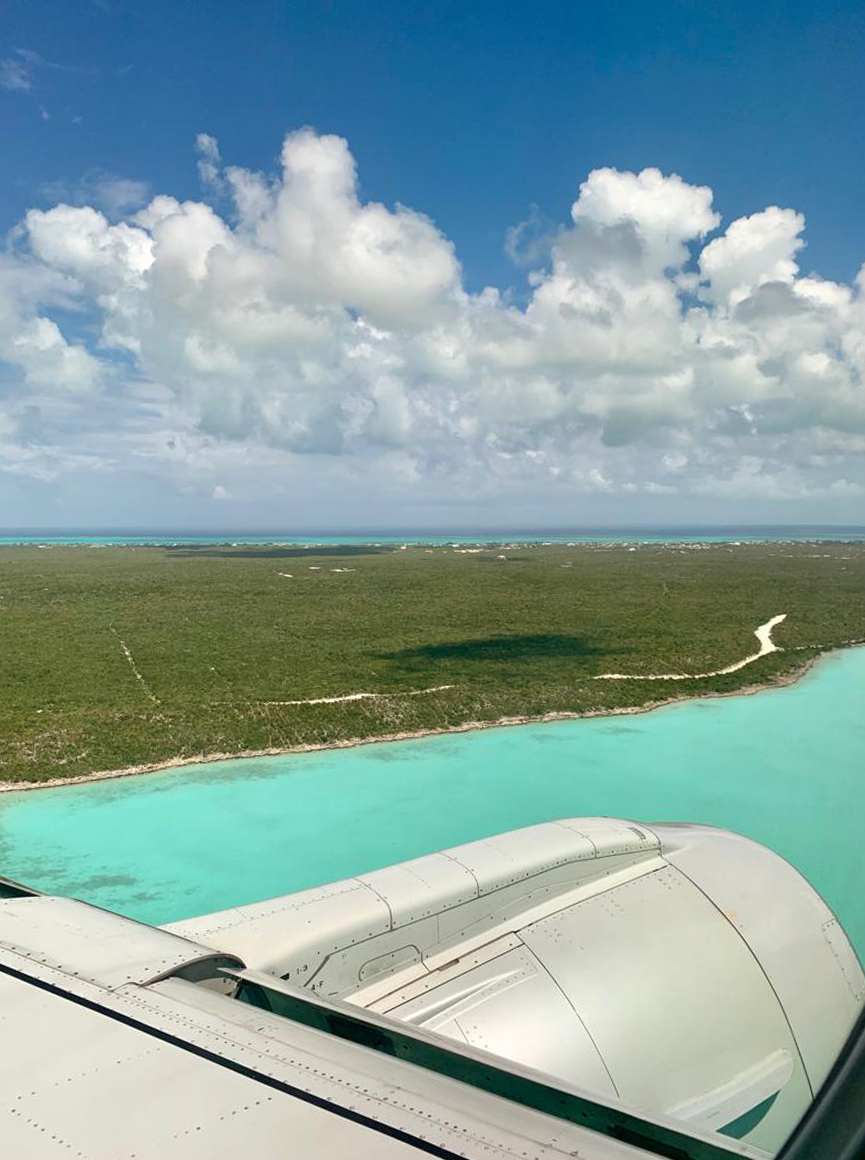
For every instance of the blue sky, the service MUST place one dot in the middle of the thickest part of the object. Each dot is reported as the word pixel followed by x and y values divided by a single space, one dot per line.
pixel 480 116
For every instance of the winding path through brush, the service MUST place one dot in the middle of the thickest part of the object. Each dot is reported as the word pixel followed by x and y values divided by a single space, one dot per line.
pixel 763 635
pixel 361 697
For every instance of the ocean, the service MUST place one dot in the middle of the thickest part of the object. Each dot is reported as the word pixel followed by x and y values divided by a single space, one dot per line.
pixel 684 534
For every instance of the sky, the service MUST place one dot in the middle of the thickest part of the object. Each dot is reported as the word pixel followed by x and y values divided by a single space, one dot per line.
pixel 333 264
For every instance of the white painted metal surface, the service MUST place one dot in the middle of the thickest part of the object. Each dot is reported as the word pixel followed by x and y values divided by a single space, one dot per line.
pixel 683 975
pixel 329 937
pixel 94 944
pixel 587 948
pixel 173 1071
pixel 816 976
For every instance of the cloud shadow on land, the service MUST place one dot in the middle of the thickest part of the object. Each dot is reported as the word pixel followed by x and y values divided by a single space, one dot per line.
pixel 186 552
pixel 500 649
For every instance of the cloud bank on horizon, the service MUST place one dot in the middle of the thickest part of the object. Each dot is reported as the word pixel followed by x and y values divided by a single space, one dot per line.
pixel 218 343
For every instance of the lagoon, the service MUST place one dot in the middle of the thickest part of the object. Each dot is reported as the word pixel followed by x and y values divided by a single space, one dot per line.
pixel 784 766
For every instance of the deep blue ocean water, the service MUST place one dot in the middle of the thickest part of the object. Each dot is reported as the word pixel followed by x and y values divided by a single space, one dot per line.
pixel 785 766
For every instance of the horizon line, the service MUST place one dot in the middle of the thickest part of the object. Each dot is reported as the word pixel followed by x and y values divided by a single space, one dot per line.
pixel 400 529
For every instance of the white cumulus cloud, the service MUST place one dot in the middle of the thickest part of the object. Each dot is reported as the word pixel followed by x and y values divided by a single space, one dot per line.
pixel 650 356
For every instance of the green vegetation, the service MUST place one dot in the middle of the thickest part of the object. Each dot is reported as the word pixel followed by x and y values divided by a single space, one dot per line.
pixel 121 656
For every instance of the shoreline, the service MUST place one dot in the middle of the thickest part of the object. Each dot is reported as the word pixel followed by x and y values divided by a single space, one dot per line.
pixel 778 682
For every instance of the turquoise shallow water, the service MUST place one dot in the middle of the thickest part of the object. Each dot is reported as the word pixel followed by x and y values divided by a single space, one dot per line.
pixel 786 767
pixel 748 534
